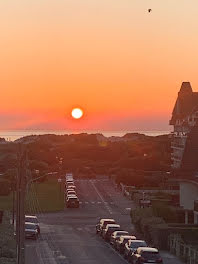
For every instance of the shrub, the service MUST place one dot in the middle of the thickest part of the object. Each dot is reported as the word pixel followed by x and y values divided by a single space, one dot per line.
pixel 7 240
pixel 4 187
pixel 145 222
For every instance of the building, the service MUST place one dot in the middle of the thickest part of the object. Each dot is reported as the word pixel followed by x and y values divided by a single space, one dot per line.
pixel 185 135
pixel 185 148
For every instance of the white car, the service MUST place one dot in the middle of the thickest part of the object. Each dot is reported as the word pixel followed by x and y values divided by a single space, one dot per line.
pixel 31 230
pixel 33 219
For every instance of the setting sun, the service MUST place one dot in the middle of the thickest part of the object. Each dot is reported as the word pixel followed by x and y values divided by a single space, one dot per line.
pixel 77 113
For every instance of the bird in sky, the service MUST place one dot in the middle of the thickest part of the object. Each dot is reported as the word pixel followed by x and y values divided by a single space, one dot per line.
pixel 149 10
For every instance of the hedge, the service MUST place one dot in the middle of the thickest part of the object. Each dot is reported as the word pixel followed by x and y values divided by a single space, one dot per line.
pixel 4 187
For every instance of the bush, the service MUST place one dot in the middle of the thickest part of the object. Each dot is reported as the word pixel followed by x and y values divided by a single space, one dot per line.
pixel 147 225
pixel 145 222
pixel 4 187
pixel 7 240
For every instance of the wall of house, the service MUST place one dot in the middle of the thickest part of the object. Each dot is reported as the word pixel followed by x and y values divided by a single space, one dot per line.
pixel 188 194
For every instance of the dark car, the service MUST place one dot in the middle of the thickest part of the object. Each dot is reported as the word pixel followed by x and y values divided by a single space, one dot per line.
pixel 31 230
pixel 116 235
pixel 110 228
pixel 131 246
pixel 103 223
pixel 33 219
pixel 120 243
pixel 72 201
pixel 146 255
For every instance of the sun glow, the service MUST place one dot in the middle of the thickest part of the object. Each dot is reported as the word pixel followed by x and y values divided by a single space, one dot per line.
pixel 77 113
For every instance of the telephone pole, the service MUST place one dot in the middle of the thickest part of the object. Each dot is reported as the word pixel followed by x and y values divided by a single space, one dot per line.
pixel 20 211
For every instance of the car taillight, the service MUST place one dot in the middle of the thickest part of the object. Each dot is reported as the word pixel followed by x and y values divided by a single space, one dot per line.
pixel 159 260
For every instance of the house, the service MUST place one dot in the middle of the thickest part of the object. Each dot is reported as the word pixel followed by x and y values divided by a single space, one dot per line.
pixel 185 148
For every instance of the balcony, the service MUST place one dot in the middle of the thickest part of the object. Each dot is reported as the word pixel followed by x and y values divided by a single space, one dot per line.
pixel 177 145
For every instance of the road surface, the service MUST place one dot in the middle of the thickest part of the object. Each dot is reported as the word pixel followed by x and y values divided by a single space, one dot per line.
pixel 69 237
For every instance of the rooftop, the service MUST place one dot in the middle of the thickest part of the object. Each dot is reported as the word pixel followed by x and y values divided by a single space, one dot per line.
pixel 186 103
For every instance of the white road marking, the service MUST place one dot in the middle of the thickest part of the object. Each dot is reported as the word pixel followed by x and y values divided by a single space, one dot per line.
pixel 105 203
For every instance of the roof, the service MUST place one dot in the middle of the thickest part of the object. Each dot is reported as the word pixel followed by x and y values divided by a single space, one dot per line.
pixel 186 103
pixel 148 249
pixel 112 225
pixel 136 240
pixel 30 223
pixel 127 236
pixel 107 219
pixel 32 216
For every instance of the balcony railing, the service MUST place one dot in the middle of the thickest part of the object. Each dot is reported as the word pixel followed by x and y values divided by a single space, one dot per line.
pixel 177 145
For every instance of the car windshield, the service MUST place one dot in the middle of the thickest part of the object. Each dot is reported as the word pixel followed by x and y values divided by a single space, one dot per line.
pixel 28 226
pixel 108 222
pixel 112 229
pixel 138 244
pixel 121 233
pixel 31 220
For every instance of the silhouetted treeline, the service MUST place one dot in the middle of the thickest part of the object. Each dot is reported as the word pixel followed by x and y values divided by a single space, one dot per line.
pixel 91 154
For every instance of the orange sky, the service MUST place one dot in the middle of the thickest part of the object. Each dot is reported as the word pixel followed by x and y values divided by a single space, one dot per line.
pixel 124 66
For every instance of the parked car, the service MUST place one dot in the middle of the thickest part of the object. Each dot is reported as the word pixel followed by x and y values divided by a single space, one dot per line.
pixel 110 228
pixel 72 202
pixel 71 186
pixel 146 255
pixel 71 192
pixel 31 230
pixel 116 235
pixel 131 246
pixel 71 196
pixel 69 189
pixel 33 219
pixel 102 224
pixel 120 243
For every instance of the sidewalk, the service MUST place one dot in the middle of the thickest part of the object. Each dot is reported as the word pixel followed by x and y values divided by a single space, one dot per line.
pixel 168 258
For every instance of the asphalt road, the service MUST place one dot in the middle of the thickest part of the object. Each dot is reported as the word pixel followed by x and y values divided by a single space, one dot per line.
pixel 69 237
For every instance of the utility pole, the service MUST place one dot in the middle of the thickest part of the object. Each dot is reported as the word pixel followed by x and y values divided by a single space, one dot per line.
pixel 13 204
pixel 20 212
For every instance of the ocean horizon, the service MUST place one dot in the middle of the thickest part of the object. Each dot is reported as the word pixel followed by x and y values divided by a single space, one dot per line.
pixel 12 135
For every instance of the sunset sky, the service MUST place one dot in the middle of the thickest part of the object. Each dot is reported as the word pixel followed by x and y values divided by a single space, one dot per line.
pixel 121 64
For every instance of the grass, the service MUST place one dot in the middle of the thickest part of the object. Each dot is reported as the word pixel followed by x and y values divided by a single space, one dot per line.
pixel 44 197
pixel 41 197
pixel 6 202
